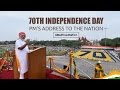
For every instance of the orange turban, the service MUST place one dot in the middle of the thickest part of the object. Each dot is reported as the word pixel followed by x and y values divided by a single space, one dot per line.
pixel 21 33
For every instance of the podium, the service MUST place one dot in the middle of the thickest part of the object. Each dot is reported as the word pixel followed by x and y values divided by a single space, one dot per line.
pixel 36 64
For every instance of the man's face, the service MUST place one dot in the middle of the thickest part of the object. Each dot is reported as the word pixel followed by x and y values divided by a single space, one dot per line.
pixel 23 36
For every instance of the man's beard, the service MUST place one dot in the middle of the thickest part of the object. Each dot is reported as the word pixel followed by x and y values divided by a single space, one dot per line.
pixel 22 39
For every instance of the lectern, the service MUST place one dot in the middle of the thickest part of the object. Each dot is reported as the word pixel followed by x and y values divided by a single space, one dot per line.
pixel 36 64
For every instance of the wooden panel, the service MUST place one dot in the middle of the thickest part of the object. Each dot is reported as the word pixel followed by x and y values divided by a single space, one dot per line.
pixel 37 64
pixel 16 73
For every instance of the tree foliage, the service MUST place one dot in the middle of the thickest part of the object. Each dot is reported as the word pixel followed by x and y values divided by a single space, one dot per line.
pixel 110 42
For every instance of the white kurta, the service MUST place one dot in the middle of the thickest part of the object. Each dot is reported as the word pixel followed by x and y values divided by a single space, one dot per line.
pixel 22 56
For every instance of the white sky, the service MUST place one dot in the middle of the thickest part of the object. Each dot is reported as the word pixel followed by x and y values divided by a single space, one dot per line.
pixel 13 22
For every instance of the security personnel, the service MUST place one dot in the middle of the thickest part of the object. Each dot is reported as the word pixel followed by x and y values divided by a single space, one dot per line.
pixel 99 70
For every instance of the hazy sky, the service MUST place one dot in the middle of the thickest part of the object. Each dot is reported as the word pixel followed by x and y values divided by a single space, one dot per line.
pixel 13 22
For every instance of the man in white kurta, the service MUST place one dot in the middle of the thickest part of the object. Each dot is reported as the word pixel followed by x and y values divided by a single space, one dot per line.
pixel 21 50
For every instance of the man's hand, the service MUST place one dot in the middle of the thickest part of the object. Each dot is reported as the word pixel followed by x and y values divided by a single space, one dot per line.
pixel 27 41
